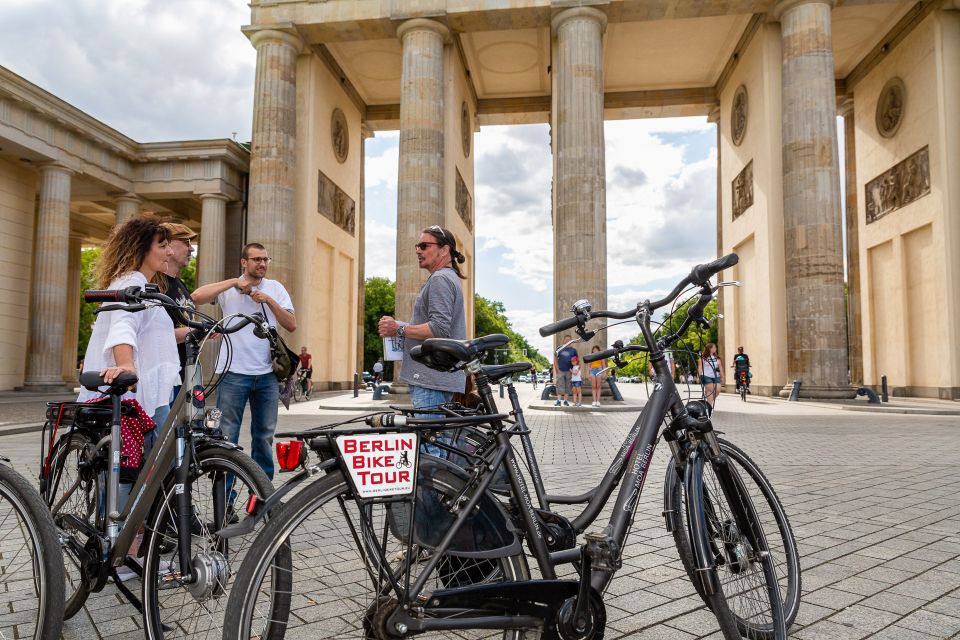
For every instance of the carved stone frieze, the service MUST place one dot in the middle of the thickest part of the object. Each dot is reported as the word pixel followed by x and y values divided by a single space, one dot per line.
pixel 339 136
pixel 898 186
pixel 743 190
pixel 890 107
pixel 464 202
pixel 466 129
pixel 334 204
pixel 738 115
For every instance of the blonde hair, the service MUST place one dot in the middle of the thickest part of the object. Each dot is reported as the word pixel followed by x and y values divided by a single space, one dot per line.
pixel 127 247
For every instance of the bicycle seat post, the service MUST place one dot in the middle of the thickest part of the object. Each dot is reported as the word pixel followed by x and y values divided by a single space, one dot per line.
pixel 113 484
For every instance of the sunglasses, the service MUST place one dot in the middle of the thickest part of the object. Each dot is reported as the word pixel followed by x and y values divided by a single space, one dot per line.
pixel 422 246
pixel 258 260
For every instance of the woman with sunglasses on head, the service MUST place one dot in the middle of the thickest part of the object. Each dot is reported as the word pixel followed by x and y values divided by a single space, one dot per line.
pixel 438 312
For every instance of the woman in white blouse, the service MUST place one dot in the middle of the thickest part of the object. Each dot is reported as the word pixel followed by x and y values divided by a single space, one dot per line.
pixel 141 342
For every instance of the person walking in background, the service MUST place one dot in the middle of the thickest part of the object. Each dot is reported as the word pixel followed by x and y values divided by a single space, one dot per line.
pixel 438 312
pixel 576 381
pixel 710 369
pixel 306 365
pixel 250 377
pixel 561 371
pixel 596 377
pixel 533 378
pixel 378 371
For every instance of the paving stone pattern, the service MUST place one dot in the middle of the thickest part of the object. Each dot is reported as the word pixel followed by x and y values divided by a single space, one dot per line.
pixel 874 501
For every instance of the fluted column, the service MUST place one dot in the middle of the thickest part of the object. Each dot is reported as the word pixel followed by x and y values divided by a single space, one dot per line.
pixel 420 178
pixel 72 319
pixel 271 215
pixel 365 132
pixel 49 286
pixel 210 258
pixel 580 214
pixel 128 205
pixel 852 224
pixel 813 246
pixel 715 116
pixel 233 239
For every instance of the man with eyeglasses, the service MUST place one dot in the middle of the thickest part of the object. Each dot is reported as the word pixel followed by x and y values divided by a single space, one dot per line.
pixel 249 376
pixel 438 312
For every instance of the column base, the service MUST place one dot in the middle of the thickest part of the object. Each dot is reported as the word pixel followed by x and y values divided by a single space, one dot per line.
pixel 399 389
pixel 44 387
pixel 820 392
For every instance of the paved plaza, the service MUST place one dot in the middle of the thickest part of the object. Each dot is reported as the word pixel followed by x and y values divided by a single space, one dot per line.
pixel 874 499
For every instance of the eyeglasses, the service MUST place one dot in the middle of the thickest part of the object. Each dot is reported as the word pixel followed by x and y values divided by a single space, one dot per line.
pixel 422 246
pixel 258 260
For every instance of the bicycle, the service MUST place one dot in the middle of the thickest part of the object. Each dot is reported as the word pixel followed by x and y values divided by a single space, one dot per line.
pixel 436 551
pixel 742 377
pixel 29 562
pixel 193 483
pixel 301 388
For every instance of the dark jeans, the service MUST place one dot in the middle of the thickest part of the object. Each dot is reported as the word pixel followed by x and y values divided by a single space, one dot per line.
pixel 263 393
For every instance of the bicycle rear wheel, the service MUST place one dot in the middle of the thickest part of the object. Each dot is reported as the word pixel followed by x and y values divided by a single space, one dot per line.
pixel 773 517
pixel 222 479
pixel 30 563
pixel 335 579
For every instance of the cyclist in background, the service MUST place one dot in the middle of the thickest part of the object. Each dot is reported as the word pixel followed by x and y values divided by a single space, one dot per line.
pixel 741 365
pixel 306 365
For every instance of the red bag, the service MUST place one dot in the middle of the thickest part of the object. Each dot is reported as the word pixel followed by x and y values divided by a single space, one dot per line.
pixel 132 428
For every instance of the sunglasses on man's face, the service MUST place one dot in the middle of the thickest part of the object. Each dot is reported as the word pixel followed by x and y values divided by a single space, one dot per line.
pixel 422 246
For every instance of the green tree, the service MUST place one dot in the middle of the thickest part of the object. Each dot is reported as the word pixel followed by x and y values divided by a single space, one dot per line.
pixel 489 316
pixel 88 259
pixel 189 274
pixel 379 300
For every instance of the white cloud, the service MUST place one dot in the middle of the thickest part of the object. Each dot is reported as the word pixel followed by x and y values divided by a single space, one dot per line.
pixel 381 168
pixel 380 259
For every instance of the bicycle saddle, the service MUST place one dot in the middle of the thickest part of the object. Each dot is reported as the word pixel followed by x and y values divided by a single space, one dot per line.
pixel 495 372
pixel 93 381
pixel 444 354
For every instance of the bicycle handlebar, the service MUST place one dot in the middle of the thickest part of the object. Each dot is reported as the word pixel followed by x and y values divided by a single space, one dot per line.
pixel 559 325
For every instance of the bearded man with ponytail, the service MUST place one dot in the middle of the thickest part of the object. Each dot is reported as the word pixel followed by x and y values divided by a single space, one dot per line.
pixel 438 312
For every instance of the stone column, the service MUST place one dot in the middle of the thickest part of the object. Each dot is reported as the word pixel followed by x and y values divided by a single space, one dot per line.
pixel 271 214
pixel 128 205
pixel 210 258
pixel 365 132
pixel 852 224
pixel 813 246
pixel 72 319
pixel 420 179
pixel 715 116
pixel 233 239
pixel 580 210
pixel 49 286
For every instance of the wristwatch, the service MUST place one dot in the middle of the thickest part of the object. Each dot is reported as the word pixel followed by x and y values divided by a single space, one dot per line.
pixel 400 329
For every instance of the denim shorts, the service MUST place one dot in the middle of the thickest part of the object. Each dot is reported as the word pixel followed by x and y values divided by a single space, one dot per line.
pixel 576 384
pixel 709 380
pixel 596 373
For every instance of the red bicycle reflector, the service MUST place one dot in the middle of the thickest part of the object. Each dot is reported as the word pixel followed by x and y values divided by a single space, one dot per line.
pixel 290 454
pixel 251 504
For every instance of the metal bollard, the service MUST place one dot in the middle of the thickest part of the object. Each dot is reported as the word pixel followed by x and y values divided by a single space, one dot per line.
pixel 883 389
pixel 548 391
pixel 795 392
pixel 613 389
pixel 356 385
pixel 378 390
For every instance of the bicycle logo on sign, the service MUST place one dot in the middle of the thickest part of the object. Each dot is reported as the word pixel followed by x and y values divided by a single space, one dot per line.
pixel 404 461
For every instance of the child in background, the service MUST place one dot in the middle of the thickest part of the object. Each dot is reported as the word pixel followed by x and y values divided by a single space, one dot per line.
pixel 576 380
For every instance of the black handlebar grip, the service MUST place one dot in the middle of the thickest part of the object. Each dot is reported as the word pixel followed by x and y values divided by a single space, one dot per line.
pixel 103 295
pixel 703 272
pixel 559 325
pixel 599 355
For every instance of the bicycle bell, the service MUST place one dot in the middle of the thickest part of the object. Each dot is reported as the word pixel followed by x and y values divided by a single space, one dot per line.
pixel 581 307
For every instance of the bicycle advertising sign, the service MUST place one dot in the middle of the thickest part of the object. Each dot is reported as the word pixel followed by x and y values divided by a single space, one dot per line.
pixel 381 464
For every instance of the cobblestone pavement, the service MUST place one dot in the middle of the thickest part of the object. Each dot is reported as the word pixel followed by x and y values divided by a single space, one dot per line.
pixel 874 501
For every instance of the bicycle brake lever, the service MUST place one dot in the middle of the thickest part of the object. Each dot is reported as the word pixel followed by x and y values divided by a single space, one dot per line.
pixel 121 307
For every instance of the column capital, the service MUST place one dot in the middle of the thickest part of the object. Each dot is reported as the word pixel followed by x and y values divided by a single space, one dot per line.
pixel 714 114
pixel 424 24
pixel 579 12
pixel 951 5
pixel 129 197
pixel 786 5
pixel 55 167
pixel 213 196
pixel 284 33
pixel 844 106
pixel 366 131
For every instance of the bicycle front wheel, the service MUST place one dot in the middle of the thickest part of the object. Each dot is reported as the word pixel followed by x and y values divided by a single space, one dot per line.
pixel 221 482
pixel 299 392
pixel 30 563
pixel 338 587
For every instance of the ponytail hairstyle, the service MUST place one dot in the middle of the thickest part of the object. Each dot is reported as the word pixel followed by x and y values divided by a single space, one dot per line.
pixel 445 239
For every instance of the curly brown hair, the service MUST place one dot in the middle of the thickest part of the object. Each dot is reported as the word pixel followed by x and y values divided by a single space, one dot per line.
pixel 128 246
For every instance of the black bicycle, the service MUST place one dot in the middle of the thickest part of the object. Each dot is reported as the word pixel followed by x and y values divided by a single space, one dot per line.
pixel 380 553
pixel 741 374
pixel 30 564
pixel 302 389
pixel 193 483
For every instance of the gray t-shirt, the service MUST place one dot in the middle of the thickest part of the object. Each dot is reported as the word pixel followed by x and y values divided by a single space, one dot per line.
pixel 439 303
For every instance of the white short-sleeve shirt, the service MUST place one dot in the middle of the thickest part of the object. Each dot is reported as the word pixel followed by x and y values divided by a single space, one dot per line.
pixel 251 355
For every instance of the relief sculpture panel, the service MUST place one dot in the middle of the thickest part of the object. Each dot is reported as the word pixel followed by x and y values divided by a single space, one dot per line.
pixel 464 202
pixel 743 190
pixel 334 204
pixel 897 187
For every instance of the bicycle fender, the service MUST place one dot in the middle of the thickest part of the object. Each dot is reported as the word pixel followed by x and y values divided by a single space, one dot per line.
pixel 670 513
pixel 699 544
pixel 215 443
pixel 248 524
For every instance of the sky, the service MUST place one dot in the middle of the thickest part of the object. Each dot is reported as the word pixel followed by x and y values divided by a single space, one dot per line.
pixel 159 70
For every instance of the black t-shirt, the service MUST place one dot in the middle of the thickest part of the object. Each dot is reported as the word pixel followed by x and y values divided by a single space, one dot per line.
pixel 181 295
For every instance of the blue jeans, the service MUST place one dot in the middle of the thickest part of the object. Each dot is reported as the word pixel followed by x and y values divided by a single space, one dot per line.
pixel 422 398
pixel 263 393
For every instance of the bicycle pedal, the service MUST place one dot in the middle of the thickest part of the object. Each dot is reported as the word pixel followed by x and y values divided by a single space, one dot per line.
pixel 604 552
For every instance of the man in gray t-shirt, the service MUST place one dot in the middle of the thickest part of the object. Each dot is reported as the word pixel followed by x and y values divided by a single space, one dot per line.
pixel 437 313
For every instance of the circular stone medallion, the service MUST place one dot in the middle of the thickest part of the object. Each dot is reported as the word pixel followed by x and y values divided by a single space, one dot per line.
pixel 339 135
pixel 738 115
pixel 466 129
pixel 890 107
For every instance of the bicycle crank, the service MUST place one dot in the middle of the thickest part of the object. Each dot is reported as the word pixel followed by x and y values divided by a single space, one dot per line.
pixel 211 572
pixel 589 625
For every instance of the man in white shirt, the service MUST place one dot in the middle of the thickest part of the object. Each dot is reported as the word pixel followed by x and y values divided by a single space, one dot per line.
pixel 250 375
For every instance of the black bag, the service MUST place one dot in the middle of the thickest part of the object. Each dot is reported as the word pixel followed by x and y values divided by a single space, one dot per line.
pixel 284 359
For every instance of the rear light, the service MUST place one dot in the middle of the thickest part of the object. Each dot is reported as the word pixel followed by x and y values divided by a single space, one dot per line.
pixel 290 454
pixel 251 504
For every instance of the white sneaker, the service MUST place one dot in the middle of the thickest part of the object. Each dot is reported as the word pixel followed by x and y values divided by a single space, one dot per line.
pixel 596 404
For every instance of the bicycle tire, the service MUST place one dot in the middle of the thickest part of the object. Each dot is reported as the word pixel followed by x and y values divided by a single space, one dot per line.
pixel 743 393
pixel 76 492
pixel 298 392
pixel 745 576
pixel 29 514
pixel 172 609
pixel 773 517
pixel 341 580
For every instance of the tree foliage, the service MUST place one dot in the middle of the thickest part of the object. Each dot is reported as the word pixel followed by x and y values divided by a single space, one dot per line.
pixel 379 300
pixel 88 280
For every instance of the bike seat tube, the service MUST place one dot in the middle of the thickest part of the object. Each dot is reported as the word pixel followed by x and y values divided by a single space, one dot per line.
pixel 113 482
